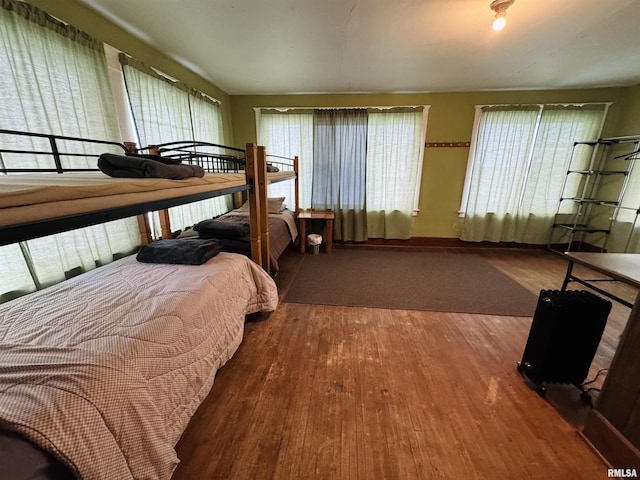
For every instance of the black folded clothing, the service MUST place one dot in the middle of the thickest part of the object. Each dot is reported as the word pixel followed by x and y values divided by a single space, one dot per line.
pixel 140 167
pixel 189 251
pixel 159 158
pixel 221 229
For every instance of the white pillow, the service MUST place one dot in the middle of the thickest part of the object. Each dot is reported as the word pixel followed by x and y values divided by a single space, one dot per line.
pixel 243 208
pixel 275 204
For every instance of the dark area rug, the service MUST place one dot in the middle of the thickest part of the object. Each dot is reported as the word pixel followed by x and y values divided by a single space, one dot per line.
pixel 445 282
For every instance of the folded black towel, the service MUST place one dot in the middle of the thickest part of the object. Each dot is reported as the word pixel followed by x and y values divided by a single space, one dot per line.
pixel 139 167
pixel 159 158
pixel 220 229
pixel 189 251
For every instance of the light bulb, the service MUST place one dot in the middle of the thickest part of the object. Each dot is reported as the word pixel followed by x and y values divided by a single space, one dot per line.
pixel 499 23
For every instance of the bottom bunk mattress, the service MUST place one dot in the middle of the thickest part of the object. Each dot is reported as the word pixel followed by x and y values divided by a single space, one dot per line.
pixel 105 370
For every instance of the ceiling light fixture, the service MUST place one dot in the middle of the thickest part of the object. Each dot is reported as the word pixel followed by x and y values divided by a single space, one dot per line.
pixel 500 7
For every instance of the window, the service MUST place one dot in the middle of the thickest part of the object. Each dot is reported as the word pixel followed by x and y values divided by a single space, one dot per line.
pixel 55 81
pixel 165 110
pixel 393 163
pixel 517 168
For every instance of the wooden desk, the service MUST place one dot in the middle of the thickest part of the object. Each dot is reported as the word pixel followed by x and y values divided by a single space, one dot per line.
pixel 613 426
pixel 305 215
pixel 622 267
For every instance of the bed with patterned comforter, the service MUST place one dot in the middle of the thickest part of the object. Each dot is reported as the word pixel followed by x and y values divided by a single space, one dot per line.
pixel 106 369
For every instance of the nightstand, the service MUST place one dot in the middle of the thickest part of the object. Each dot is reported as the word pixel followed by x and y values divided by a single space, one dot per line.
pixel 305 215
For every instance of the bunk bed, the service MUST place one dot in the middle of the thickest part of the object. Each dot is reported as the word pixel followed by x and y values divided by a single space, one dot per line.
pixel 100 374
pixel 277 225
pixel 46 202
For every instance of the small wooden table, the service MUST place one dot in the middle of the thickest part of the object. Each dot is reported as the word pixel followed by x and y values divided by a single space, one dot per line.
pixel 327 215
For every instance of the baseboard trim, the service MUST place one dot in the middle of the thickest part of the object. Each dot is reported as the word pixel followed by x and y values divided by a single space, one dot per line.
pixel 426 243
pixel 609 442
pixel 430 243
pixel 576 247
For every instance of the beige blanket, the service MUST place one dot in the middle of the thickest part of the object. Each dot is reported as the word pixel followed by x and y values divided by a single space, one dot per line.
pixel 105 370
pixel 36 197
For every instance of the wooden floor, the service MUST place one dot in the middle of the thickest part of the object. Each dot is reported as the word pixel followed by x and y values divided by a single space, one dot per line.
pixel 321 392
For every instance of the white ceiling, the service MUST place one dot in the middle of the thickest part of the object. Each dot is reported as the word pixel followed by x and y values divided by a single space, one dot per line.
pixel 356 46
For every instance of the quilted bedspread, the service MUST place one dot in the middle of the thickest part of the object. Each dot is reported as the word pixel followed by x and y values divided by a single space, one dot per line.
pixel 106 369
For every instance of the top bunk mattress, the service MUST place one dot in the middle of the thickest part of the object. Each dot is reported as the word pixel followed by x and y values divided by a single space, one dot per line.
pixel 30 198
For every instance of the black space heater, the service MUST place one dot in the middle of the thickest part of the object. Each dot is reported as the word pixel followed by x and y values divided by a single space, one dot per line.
pixel 566 330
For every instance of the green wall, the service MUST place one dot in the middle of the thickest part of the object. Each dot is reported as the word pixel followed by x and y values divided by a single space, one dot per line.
pixel 450 120
pixel 629 119
pixel 87 20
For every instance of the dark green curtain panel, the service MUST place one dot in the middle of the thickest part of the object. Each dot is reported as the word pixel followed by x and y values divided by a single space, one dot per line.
pixel 339 170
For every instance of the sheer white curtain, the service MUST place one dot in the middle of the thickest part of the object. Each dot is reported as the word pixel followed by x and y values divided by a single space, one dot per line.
pixel 166 111
pixel 560 126
pixel 289 134
pixel 339 170
pixel 499 169
pixel 520 161
pixel 394 148
pixel 15 277
pixel 160 111
pixel 54 80
pixel 206 120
